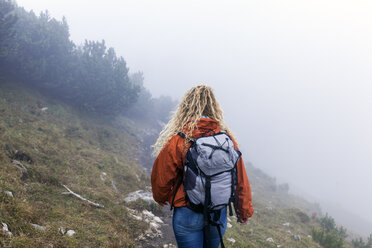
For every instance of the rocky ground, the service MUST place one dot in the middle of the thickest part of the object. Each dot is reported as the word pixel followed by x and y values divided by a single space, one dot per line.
pixel 166 240
pixel 160 232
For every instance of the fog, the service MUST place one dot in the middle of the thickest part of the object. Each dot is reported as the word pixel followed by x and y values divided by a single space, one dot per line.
pixel 294 78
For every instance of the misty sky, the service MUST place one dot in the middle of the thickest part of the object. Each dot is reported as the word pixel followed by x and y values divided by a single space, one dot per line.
pixel 294 77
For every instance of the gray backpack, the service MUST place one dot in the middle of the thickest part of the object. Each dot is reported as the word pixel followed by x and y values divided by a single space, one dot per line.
pixel 210 177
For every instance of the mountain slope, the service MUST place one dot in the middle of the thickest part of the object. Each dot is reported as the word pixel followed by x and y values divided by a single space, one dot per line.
pixel 103 161
pixel 59 147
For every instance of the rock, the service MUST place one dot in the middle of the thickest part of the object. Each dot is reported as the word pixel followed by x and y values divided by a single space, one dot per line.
pixel 147 215
pixel 141 237
pixel 139 194
pixel 8 193
pixel 70 233
pixel 309 236
pixel 133 214
pixel 62 230
pixel 136 217
pixel 229 225
pixel 5 227
pixel 154 230
pixel 38 227
pixel 270 240
pixel 297 237
pixel 231 240
pixel 154 222
pixel 5 230
pixel 103 176
pixel 154 225
pixel 286 224
pixel 158 220
pixel 153 233
pixel 150 217
pixel 44 109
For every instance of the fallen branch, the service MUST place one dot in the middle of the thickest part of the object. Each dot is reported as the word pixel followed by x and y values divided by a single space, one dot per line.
pixel 114 186
pixel 70 192
pixel 20 166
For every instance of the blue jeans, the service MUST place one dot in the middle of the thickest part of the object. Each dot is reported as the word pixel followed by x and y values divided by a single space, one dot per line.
pixel 188 228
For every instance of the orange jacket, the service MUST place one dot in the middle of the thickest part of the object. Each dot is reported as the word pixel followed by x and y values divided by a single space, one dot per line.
pixel 170 161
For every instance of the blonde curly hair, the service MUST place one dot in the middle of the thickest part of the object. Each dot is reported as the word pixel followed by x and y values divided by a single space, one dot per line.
pixel 197 102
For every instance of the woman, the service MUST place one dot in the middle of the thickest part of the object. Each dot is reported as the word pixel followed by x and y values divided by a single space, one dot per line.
pixel 198 113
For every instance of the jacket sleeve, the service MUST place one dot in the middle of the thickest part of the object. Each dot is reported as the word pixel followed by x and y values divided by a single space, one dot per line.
pixel 165 171
pixel 243 190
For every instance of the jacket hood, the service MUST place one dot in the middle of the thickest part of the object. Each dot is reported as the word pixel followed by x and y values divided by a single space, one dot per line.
pixel 204 125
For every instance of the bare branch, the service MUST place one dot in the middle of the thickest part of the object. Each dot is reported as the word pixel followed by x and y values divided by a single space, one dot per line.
pixel 20 166
pixel 70 192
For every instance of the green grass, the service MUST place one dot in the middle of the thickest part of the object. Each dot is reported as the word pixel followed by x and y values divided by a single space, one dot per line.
pixel 269 224
pixel 273 208
pixel 72 149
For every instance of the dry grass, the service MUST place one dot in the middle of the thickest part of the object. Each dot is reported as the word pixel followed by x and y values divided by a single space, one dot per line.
pixel 71 149
pixel 273 208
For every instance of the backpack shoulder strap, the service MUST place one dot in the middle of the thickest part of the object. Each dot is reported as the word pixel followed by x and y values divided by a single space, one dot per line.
pixel 182 134
pixel 180 176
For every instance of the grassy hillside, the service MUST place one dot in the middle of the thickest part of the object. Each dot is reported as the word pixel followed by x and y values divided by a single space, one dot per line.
pixel 278 216
pixel 100 160
pixel 280 219
pixel 59 146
